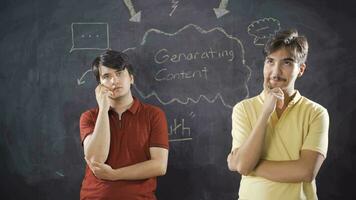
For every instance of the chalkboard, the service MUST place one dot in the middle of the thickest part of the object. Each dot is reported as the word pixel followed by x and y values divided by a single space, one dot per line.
pixel 194 59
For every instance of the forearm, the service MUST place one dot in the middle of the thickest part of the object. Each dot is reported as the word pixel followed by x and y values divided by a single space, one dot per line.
pixel 305 169
pixel 98 145
pixel 282 171
pixel 249 153
pixel 139 171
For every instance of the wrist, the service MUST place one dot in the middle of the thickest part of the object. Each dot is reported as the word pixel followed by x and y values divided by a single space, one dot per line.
pixel 103 110
pixel 266 114
pixel 116 174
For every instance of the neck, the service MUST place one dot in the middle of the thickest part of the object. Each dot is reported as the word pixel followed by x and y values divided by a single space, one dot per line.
pixel 288 95
pixel 121 104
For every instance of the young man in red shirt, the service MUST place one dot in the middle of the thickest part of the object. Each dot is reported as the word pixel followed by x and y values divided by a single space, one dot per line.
pixel 125 141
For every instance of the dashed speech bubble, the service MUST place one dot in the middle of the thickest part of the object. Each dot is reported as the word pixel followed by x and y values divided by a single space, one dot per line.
pixel 90 36
pixel 263 29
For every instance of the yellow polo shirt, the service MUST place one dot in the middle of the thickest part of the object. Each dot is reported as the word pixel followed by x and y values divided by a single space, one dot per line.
pixel 303 125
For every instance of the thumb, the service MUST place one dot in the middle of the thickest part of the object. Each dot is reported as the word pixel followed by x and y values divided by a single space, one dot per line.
pixel 280 103
pixel 88 163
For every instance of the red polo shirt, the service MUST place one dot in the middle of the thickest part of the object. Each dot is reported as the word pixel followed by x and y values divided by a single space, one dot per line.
pixel 141 126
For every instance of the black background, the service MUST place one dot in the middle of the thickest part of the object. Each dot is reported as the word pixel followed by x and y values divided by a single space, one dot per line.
pixel 41 100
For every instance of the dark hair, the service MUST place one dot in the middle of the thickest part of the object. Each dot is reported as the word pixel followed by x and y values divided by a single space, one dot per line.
pixel 112 59
pixel 297 45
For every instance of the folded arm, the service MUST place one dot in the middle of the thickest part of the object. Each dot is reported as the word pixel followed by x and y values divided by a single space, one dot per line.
pixel 97 144
pixel 304 169
pixel 156 166
pixel 245 158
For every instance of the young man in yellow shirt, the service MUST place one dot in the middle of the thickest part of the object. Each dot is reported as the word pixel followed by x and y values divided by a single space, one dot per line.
pixel 280 138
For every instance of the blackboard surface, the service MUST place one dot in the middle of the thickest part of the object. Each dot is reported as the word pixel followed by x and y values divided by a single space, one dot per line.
pixel 194 59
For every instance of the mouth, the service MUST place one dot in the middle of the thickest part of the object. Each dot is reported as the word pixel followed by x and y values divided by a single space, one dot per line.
pixel 115 89
pixel 277 79
pixel 274 82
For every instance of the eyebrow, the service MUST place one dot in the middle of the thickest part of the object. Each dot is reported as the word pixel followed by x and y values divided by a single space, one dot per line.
pixel 104 74
pixel 289 59
pixel 284 59
pixel 115 72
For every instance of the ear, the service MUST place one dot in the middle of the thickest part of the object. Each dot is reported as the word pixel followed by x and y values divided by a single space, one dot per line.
pixel 302 68
pixel 99 73
pixel 132 79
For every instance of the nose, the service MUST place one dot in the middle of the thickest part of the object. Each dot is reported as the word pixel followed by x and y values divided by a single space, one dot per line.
pixel 114 79
pixel 276 69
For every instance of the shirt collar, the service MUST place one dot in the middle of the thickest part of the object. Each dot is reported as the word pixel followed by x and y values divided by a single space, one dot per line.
pixel 135 105
pixel 133 108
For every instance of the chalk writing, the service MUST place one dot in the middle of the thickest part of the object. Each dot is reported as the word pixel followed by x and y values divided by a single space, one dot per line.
pixel 163 55
pixel 179 130
pixel 164 75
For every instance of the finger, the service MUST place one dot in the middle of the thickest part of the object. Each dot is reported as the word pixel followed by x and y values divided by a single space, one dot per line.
pixel 96 168
pixel 87 160
pixel 105 92
pixel 98 165
pixel 97 89
pixel 280 90
pixel 105 87
pixel 275 90
pixel 95 164
pixel 280 104
pixel 278 96
pixel 89 164
pixel 228 157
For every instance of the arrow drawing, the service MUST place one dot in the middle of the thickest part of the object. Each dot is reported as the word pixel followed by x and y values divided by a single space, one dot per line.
pixel 81 81
pixel 135 16
pixel 221 11
pixel 174 6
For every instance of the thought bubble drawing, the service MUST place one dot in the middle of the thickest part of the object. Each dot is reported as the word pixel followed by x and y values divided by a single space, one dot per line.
pixel 263 29
pixel 190 65
pixel 90 36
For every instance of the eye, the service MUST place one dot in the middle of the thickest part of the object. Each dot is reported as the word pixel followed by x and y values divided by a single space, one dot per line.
pixel 269 61
pixel 106 76
pixel 288 63
pixel 118 73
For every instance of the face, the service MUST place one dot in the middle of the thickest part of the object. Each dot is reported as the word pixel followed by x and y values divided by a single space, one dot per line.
pixel 119 82
pixel 281 70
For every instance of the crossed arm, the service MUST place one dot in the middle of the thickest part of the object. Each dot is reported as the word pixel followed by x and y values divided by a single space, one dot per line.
pixel 304 169
pixel 96 150
pixel 247 158
pixel 96 154
pixel 156 166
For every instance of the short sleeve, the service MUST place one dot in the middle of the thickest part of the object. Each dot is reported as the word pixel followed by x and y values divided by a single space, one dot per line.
pixel 317 136
pixel 159 129
pixel 241 126
pixel 86 125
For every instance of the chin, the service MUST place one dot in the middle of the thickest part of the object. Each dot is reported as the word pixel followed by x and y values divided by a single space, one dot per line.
pixel 118 96
pixel 277 85
pixel 115 97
